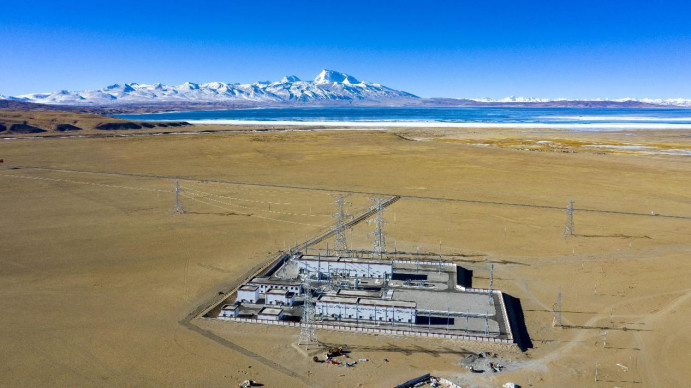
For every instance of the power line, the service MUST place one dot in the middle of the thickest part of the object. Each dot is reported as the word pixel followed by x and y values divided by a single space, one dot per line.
pixel 242 199
pixel 84 183
pixel 331 190
pixel 253 215
pixel 206 196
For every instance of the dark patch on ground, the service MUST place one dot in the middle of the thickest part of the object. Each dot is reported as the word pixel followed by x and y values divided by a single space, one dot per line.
pixel 25 128
pixel 67 127
pixel 118 126
pixel 171 124
pixel 3 128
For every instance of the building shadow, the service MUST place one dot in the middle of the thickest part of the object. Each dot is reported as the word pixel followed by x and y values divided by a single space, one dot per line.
pixel 520 332
pixel 464 277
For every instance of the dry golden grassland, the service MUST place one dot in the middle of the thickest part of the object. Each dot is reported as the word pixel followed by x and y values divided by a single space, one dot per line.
pixel 48 120
pixel 87 125
pixel 97 273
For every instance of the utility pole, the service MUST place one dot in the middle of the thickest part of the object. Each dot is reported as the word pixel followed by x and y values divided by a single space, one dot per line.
pixel 439 256
pixel 417 259
pixel 467 321
pixel 447 318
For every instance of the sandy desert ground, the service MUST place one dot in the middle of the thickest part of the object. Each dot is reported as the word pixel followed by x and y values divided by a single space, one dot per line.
pixel 99 277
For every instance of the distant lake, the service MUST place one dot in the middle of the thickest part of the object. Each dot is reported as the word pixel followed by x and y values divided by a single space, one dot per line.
pixel 558 118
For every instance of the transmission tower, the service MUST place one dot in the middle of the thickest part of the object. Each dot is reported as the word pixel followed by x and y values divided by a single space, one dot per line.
pixel 556 309
pixel 341 217
pixel 177 208
pixel 379 246
pixel 568 228
pixel 307 333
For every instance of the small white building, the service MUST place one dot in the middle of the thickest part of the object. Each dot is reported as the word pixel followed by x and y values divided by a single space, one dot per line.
pixel 229 311
pixel 248 294
pixel 279 297
pixel 270 314
pixel 266 284
pixel 345 266
pixel 366 309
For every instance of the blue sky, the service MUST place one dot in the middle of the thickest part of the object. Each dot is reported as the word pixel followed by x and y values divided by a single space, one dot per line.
pixel 482 48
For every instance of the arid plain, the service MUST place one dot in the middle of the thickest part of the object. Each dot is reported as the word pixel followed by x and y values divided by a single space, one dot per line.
pixel 99 277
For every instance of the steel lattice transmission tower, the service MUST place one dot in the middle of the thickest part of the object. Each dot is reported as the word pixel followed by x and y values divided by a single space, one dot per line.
pixel 341 216
pixel 177 208
pixel 307 333
pixel 379 245
pixel 568 228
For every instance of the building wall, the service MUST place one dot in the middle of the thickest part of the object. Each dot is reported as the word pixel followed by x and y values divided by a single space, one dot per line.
pixel 248 296
pixel 270 317
pixel 229 313
pixel 278 299
pixel 263 288
pixel 349 269
pixel 366 312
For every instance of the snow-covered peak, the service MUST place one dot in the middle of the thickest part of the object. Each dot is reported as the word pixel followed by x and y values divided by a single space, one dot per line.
pixel 331 76
pixel 189 86
pixel 289 78
pixel 329 86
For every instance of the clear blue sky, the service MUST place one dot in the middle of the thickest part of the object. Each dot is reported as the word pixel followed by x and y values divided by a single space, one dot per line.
pixel 481 48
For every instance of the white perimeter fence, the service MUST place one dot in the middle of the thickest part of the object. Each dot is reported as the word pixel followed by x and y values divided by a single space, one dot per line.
pixel 372 330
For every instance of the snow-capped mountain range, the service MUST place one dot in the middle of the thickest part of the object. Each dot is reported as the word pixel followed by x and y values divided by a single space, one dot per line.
pixel 327 88
pixel 328 85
